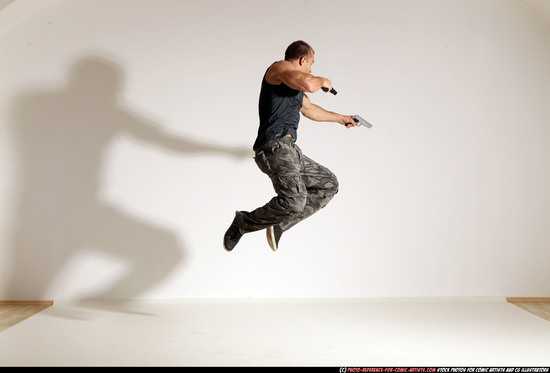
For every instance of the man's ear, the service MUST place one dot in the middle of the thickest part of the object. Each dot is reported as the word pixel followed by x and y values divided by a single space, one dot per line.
pixel 302 61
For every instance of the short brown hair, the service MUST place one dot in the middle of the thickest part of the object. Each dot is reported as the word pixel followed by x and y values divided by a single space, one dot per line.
pixel 297 50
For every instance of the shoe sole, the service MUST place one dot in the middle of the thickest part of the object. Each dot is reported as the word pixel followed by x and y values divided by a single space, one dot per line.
pixel 270 234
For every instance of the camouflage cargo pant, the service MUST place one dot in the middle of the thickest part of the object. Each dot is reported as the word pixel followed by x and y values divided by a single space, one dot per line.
pixel 302 186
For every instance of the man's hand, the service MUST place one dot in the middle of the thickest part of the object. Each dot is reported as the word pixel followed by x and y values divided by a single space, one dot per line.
pixel 326 84
pixel 348 121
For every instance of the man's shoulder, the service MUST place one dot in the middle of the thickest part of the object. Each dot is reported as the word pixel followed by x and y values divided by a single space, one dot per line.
pixel 280 66
pixel 272 75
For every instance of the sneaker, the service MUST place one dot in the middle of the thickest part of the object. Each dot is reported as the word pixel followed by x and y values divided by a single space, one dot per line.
pixel 232 236
pixel 274 234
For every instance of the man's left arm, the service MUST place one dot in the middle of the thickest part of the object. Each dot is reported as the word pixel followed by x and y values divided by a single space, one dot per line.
pixel 318 114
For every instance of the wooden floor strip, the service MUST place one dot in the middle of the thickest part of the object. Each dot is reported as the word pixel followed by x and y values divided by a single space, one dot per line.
pixel 13 312
pixel 537 306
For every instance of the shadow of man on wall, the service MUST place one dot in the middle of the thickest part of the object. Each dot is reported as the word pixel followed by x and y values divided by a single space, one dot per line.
pixel 60 138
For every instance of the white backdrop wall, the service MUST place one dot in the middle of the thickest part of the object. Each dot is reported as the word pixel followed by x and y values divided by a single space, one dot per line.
pixel 125 148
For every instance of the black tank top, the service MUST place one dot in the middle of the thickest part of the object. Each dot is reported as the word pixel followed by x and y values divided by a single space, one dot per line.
pixel 279 110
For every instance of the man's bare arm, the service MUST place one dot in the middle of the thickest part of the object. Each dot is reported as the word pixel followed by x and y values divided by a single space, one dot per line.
pixel 318 114
pixel 285 72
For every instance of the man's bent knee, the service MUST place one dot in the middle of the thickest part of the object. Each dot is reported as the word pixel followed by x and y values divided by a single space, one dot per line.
pixel 332 186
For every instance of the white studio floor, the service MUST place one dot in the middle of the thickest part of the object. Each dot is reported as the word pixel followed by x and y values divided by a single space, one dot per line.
pixel 312 332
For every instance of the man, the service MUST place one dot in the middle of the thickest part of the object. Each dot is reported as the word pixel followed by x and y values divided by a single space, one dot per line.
pixel 302 185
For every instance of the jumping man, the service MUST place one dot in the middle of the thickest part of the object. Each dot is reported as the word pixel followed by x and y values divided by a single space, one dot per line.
pixel 303 186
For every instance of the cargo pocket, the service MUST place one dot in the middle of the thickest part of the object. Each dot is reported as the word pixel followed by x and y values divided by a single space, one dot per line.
pixel 291 192
pixel 289 185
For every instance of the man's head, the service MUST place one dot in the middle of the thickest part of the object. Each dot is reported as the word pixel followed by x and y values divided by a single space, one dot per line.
pixel 301 54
